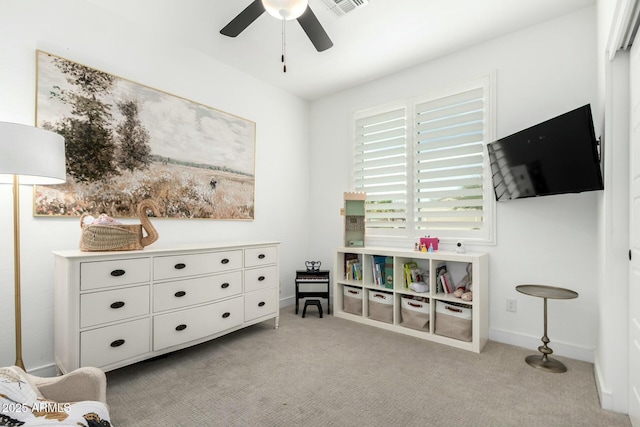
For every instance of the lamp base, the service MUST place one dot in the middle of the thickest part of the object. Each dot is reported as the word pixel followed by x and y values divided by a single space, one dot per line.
pixel 546 364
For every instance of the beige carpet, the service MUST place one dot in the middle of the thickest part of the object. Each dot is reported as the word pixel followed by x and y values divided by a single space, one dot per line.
pixel 333 372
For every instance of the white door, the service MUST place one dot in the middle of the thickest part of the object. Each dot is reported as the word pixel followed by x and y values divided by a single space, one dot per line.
pixel 634 282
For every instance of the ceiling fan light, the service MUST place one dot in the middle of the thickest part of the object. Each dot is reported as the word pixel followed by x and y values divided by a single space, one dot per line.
pixel 285 9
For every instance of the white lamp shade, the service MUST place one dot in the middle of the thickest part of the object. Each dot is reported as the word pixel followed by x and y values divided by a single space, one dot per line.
pixel 285 9
pixel 35 155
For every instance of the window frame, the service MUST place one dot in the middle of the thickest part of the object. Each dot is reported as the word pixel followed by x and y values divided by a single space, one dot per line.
pixel 410 233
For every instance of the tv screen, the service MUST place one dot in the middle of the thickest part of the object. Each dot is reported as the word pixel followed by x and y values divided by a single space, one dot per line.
pixel 557 156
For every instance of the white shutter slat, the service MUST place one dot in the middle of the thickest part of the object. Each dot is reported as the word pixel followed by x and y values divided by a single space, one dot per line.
pixel 436 134
pixel 389 133
pixel 465 117
pixel 380 118
pixel 377 128
pixel 425 165
pixel 453 225
pixel 368 155
pixel 397 170
pixel 448 142
pixel 396 226
pixel 396 205
pixel 437 204
pixel 456 151
pixel 383 189
pixel 451 194
pixel 385 214
pixel 450 215
pixel 381 146
pixel 451 100
pixel 395 182
pixel 465 170
pixel 439 185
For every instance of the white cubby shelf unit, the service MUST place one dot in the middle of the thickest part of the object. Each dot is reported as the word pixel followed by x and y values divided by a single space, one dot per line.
pixel 429 261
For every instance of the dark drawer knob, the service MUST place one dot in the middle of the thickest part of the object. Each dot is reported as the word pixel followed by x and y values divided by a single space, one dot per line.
pixel 224 285
pixel 117 273
pixel 117 304
pixel 261 304
pixel 181 327
pixel 262 256
pixel 180 294
pixel 225 315
pixel 261 278
pixel 179 266
pixel 117 343
pixel 225 261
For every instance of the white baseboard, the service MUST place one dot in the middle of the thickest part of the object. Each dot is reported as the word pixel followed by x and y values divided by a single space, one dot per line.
pixel 559 348
pixel 50 370
pixel 287 301
pixel 519 340
pixel 606 398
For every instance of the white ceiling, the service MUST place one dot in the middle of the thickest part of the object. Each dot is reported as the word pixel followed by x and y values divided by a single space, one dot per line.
pixel 373 41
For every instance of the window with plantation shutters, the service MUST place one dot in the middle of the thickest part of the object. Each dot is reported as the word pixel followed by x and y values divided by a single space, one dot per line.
pixel 380 167
pixel 422 163
pixel 449 154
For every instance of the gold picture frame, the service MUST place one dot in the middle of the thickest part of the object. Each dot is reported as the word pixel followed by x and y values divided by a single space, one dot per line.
pixel 127 142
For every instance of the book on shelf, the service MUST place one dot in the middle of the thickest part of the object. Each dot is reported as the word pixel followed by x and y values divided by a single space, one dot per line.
pixel 352 267
pixel 447 283
pixel 388 272
pixel 441 269
pixel 378 264
pixel 408 268
pixel 356 271
pixel 414 275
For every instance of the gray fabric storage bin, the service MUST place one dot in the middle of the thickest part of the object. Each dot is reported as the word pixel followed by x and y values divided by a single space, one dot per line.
pixel 415 313
pixel 381 306
pixel 453 320
pixel 352 300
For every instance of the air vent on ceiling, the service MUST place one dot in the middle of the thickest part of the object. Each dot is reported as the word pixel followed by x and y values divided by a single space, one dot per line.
pixel 341 7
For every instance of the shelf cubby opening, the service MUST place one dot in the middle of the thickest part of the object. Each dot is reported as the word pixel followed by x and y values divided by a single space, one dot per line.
pixel 414 271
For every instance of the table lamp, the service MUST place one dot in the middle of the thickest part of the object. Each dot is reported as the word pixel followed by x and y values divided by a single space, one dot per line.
pixel 28 155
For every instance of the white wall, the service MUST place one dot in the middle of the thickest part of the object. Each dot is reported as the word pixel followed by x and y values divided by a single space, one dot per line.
pixel 541 72
pixel 83 32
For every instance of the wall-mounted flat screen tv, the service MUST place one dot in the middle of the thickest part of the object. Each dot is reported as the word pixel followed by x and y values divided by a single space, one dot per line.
pixel 557 156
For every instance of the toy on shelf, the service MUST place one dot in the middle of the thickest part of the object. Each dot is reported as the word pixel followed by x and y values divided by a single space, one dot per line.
pixel 464 290
pixel 353 212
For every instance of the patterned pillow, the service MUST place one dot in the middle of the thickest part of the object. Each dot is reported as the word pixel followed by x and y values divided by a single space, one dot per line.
pixel 20 405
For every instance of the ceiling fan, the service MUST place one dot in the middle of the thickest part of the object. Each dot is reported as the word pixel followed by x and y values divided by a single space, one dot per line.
pixel 285 10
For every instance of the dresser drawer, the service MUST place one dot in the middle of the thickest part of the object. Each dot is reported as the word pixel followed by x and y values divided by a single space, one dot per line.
pixel 254 257
pixel 100 274
pixel 177 266
pixel 191 324
pixel 114 305
pixel 182 293
pixel 104 346
pixel 260 303
pixel 260 278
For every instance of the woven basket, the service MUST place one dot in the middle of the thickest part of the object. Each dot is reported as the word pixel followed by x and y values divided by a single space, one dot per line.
pixel 121 237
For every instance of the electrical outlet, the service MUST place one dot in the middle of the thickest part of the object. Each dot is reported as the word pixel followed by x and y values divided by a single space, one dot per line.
pixel 512 304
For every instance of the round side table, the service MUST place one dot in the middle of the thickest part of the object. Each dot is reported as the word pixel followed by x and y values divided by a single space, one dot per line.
pixel 544 362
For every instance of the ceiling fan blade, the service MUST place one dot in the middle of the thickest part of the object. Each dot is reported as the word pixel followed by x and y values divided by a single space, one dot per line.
pixel 244 19
pixel 314 30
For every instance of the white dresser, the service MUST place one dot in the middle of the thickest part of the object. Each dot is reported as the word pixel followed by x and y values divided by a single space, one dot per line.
pixel 116 308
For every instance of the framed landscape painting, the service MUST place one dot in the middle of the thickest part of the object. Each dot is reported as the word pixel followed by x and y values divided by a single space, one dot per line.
pixel 126 142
